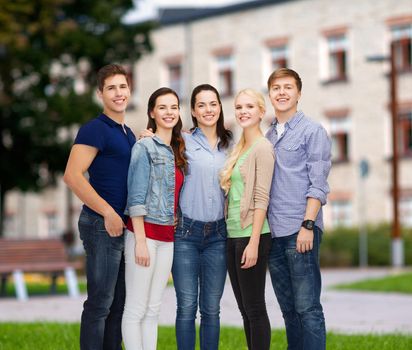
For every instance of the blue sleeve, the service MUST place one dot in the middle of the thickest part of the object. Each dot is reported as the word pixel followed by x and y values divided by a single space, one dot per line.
pixel 91 134
pixel 318 164
pixel 138 181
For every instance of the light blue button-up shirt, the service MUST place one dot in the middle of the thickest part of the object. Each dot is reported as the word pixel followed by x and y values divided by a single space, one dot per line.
pixel 303 162
pixel 201 197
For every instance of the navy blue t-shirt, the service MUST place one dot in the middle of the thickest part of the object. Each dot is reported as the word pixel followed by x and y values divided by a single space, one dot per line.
pixel 108 171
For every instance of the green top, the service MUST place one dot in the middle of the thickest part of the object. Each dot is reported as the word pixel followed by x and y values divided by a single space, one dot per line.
pixel 234 228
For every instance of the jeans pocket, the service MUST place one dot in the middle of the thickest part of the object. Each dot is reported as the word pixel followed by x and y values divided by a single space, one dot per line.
pixel 299 263
pixel 86 226
pixel 181 232
pixel 222 231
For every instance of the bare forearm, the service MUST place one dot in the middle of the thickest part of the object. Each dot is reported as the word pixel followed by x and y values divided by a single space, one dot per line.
pixel 312 209
pixel 138 227
pixel 87 194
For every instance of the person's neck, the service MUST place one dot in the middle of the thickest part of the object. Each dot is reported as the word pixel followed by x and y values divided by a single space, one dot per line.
pixel 211 135
pixel 251 135
pixel 283 117
pixel 165 135
pixel 117 117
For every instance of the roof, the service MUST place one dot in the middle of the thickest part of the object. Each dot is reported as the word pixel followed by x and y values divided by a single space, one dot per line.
pixel 171 16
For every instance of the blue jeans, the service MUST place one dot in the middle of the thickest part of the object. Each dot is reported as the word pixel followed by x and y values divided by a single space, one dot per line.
pixel 101 320
pixel 199 274
pixel 297 283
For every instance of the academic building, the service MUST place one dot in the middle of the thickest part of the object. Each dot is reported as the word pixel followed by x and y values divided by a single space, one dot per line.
pixel 340 48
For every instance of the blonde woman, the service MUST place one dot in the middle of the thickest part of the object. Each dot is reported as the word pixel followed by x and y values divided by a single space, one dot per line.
pixel 246 179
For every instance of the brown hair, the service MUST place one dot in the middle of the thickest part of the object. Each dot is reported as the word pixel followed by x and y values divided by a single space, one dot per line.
pixel 225 135
pixel 107 72
pixel 285 72
pixel 177 143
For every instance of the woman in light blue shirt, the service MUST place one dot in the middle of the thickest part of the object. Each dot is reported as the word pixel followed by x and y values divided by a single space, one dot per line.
pixel 199 263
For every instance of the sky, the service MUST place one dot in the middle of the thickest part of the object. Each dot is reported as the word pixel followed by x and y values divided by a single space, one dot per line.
pixel 146 9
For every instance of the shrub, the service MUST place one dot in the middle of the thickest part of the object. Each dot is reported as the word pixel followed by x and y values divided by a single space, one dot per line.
pixel 340 247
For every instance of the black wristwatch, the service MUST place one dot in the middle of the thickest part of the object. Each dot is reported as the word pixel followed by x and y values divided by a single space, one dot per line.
pixel 308 224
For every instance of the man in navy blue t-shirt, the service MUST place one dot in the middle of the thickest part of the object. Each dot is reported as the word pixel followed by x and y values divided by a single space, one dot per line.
pixel 103 148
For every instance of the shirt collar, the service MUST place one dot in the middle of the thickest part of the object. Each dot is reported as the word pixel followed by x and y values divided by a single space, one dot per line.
pixel 197 130
pixel 103 117
pixel 159 140
pixel 109 121
pixel 292 122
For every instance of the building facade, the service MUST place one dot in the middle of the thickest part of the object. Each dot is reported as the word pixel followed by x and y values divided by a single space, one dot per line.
pixel 328 42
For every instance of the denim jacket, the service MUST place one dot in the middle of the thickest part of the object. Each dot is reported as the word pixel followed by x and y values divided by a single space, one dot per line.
pixel 151 182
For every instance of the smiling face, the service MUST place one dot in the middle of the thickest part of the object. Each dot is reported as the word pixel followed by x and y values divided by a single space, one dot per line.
pixel 206 108
pixel 248 111
pixel 115 95
pixel 284 96
pixel 166 112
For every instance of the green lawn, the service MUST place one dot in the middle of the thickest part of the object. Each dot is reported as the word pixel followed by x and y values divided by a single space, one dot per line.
pixel 65 336
pixel 397 283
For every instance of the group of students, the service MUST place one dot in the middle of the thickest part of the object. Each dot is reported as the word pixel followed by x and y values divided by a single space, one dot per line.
pixel 194 204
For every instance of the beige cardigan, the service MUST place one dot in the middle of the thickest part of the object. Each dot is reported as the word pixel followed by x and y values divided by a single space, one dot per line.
pixel 256 172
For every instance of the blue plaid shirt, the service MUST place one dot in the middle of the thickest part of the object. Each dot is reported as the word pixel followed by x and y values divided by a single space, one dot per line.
pixel 303 162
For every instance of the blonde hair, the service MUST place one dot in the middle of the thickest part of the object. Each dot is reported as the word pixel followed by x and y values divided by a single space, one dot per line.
pixel 226 173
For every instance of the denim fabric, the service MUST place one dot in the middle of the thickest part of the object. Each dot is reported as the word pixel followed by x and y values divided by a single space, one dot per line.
pixel 199 274
pixel 249 289
pixel 102 311
pixel 297 283
pixel 151 182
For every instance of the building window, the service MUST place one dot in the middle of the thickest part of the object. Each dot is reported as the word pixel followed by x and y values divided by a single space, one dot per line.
pixel 340 131
pixel 278 57
pixel 10 224
pixel 405 133
pixel 225 74
pixel 131 79
pixel 48 224
pixel 52 224
pixel 175 77
pixel 337 57
pixel 405 211
pixel 341 213
pixel 402 41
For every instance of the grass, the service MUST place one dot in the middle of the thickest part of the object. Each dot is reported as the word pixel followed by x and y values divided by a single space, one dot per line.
pixel 38 284
pixel 65 336
pixel 401 283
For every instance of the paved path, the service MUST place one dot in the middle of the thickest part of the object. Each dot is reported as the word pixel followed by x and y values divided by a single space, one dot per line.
pixel 345 312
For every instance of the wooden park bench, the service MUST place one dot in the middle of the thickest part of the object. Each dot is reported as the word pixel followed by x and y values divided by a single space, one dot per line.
pixel 36 255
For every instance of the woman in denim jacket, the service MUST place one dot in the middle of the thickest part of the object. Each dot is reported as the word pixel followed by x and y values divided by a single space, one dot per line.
pixel 154 181
pixel 199 262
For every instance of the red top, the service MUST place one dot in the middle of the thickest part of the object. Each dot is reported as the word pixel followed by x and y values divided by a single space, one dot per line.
pixel 163 233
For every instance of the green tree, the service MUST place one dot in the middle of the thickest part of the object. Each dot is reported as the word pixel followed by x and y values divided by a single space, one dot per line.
pixel 50 51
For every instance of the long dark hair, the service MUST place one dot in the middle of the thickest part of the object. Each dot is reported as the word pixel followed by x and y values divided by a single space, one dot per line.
pixel 225 135
pixel 177 143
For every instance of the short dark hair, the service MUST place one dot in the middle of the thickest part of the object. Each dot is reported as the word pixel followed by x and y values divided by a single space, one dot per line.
pixel 108 71
pixel 285 72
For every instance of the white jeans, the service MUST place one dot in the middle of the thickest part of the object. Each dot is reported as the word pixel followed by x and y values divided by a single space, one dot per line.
pixel 144 291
